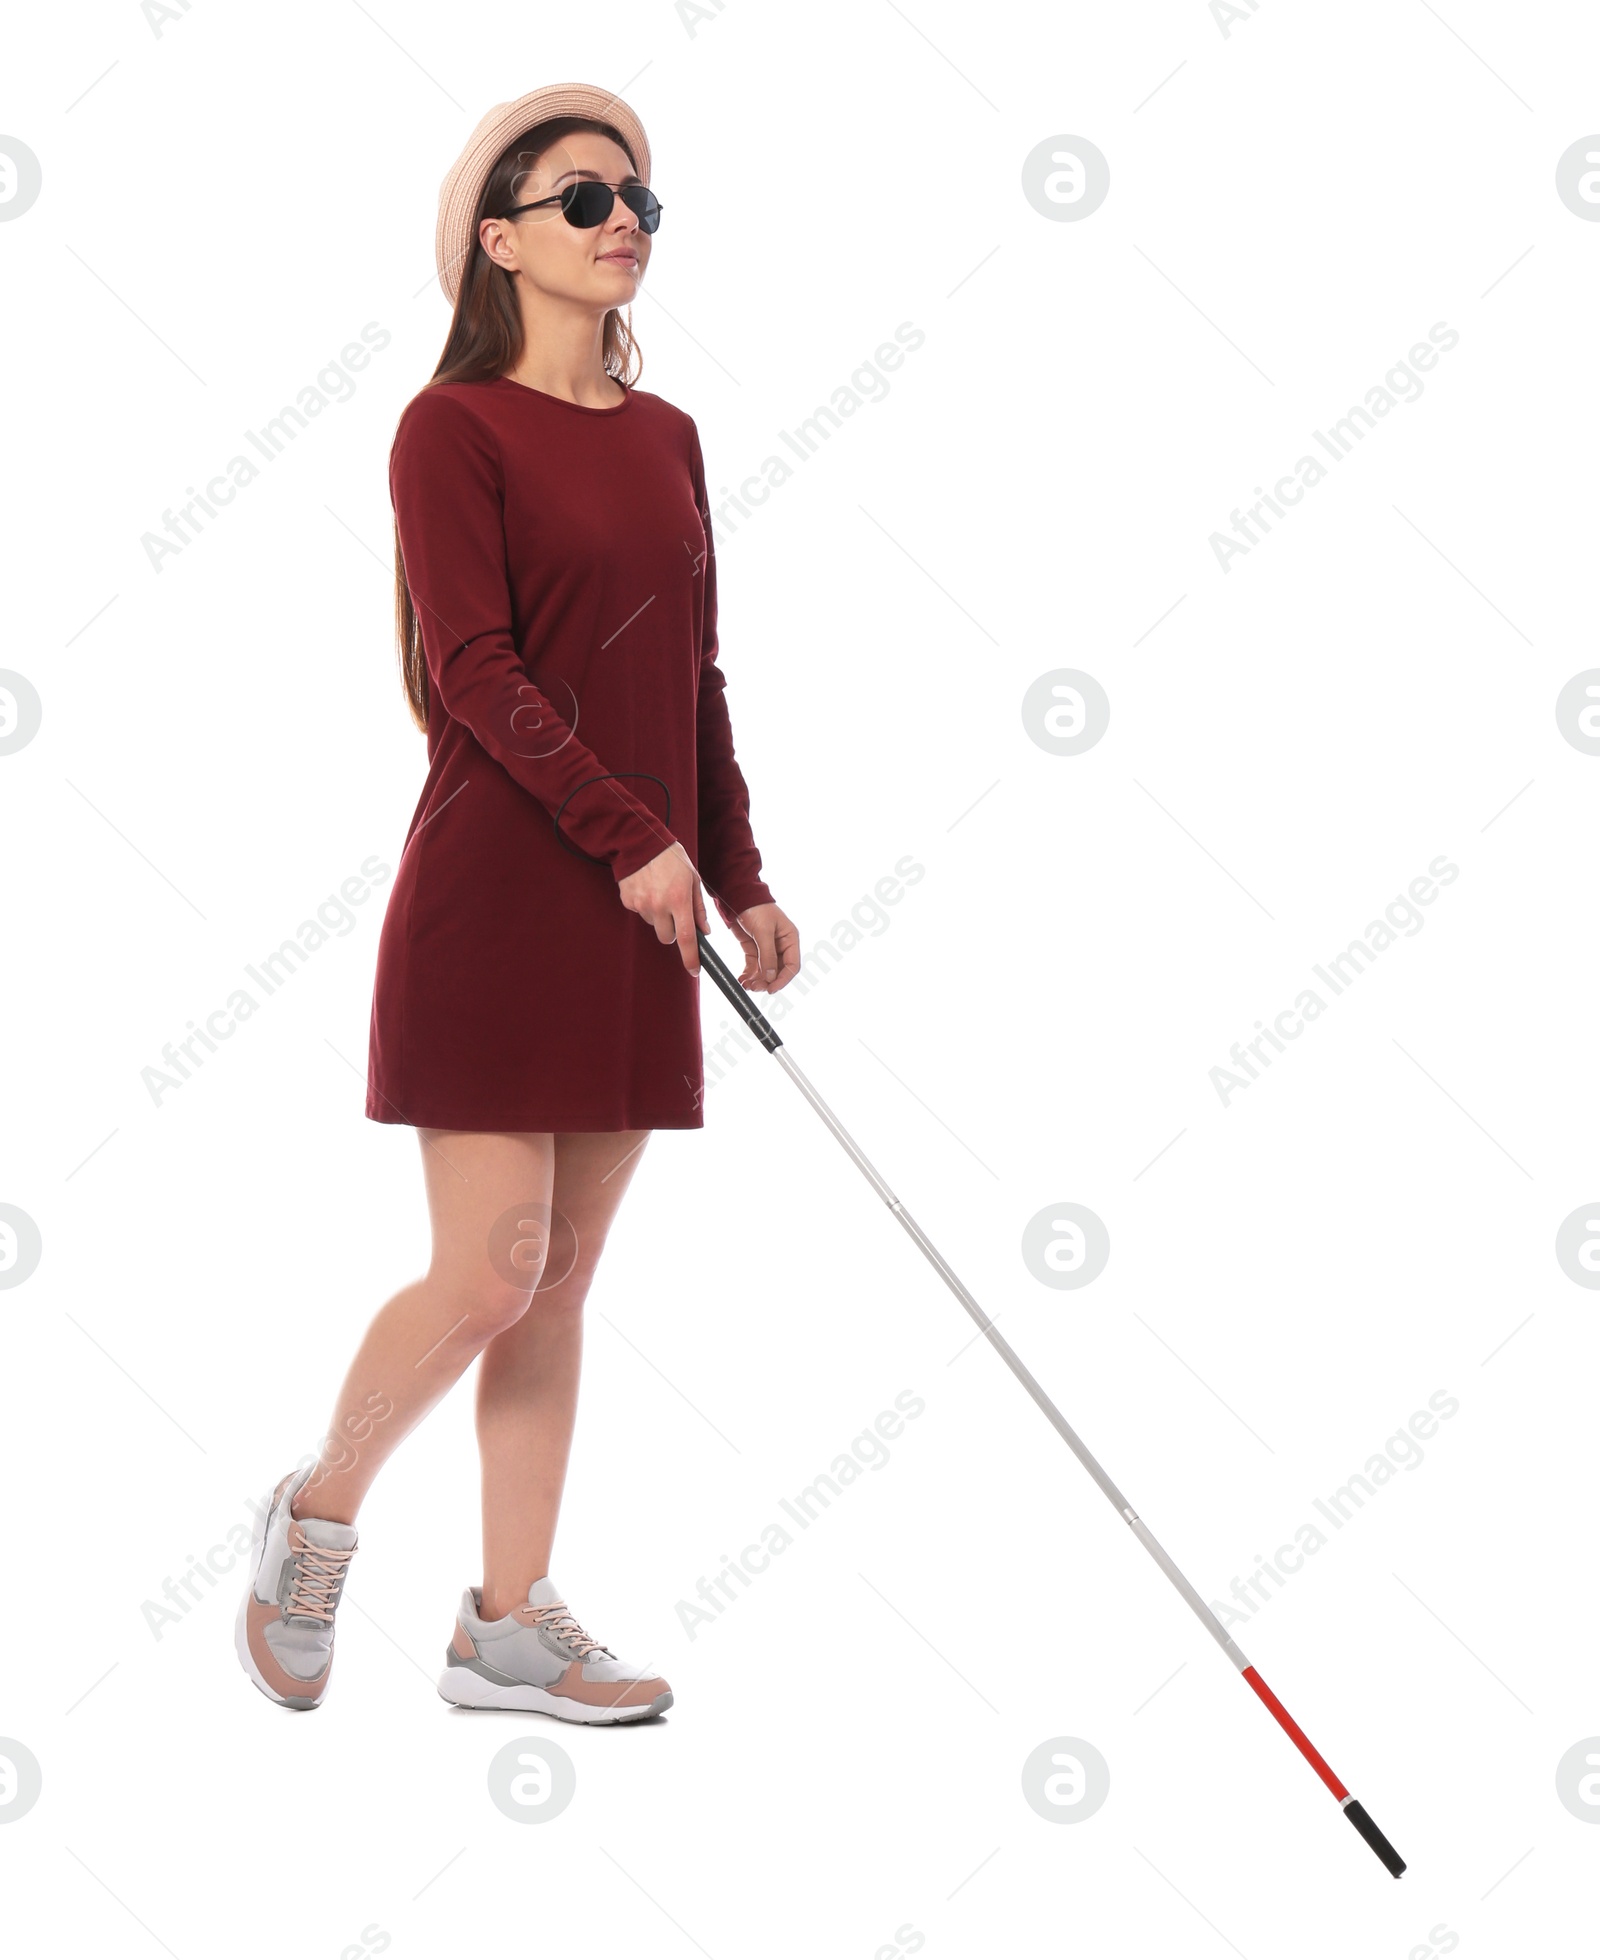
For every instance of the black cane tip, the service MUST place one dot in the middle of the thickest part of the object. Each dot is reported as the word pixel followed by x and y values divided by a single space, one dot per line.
pixel 1374 1837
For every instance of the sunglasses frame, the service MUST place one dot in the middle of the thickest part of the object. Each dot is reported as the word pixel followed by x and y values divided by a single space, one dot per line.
pixel 571 191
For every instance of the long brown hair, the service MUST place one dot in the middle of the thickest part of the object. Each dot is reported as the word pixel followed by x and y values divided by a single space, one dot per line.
pixel 486 339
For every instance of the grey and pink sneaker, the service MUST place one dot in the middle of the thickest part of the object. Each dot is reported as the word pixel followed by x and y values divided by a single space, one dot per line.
pixel 538 1658
pixel 284 1631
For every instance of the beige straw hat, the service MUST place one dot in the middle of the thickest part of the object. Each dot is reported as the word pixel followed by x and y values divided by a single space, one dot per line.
pixel 454 237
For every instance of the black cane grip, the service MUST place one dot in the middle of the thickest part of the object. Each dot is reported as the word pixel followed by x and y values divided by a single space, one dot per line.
pixel 737 998
pixel 1385 1850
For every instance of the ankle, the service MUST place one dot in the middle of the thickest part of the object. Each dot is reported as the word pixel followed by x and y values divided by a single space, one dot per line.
pixel 327 1507
pixel 495 1602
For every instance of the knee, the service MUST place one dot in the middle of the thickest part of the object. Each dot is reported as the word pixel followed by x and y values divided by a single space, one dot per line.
pixel 565 1292
pixel 567 1275
pixel 491 1304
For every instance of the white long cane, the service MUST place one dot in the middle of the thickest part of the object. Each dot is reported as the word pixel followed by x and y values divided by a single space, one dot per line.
pixel 762 1029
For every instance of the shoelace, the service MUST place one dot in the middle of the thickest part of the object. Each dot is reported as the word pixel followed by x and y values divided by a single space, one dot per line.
pixel 566 1629
pixel 318 1575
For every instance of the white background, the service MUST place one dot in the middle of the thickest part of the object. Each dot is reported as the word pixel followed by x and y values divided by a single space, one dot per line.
pixel 1293 205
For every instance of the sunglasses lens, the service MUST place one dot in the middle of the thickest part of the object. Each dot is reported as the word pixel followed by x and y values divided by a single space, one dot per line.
pixel 586 204
pixel 644 204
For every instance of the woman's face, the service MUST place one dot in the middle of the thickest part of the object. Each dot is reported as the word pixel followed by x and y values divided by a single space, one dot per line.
pixel 600 268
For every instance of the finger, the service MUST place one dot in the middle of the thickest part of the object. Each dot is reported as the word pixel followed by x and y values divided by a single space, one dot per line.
pixel 747 946
pixel 788 942
pixel 661 918
pixel 683 925
pixel 701 919
pixel 767 936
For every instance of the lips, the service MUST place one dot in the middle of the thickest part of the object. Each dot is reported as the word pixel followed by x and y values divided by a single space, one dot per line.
pixel 619 258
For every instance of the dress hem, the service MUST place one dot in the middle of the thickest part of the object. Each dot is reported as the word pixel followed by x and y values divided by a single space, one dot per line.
pixel 503 1124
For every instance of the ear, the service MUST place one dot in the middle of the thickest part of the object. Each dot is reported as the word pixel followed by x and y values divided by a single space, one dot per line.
pixel 492 237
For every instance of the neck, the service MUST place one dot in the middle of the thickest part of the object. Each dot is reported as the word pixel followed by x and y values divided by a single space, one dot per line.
pixel 562 351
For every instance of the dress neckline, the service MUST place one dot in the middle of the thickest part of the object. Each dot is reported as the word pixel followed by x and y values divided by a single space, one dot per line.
pixel 580 408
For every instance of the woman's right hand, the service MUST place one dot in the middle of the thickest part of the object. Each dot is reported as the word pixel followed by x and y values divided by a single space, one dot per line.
pixel 667 893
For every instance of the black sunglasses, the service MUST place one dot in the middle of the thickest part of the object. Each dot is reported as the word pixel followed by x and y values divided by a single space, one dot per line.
pixel 588 203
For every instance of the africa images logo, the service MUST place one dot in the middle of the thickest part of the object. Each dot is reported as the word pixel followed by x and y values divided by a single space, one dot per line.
pixel 1402 383
pixel 1401 917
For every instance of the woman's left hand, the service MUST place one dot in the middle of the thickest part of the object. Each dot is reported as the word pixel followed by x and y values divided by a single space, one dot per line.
pixel 771 943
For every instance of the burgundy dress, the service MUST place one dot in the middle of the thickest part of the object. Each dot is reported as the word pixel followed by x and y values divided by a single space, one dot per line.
pixel 560 561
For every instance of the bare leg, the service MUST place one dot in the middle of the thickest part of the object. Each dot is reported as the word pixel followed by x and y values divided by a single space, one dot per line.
pixel 479 1284
pixel 528 1377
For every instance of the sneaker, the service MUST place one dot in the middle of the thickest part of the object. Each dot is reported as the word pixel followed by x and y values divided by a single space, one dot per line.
pixel 284 1632
pixel 539 1658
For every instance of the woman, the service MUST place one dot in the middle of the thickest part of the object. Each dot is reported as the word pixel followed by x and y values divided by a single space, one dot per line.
pixel 556 603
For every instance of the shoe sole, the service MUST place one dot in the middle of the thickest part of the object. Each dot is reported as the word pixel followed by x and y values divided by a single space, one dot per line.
pixel 241 1629
pixel 464 1689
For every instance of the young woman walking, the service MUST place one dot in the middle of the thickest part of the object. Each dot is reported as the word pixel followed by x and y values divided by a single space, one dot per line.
pixel 535 1014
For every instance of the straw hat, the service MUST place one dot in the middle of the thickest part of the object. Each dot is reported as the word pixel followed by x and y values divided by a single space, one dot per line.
pixel 454 237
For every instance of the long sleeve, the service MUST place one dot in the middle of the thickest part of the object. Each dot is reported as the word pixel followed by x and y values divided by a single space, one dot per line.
pixel 729 863
pixel 447 487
